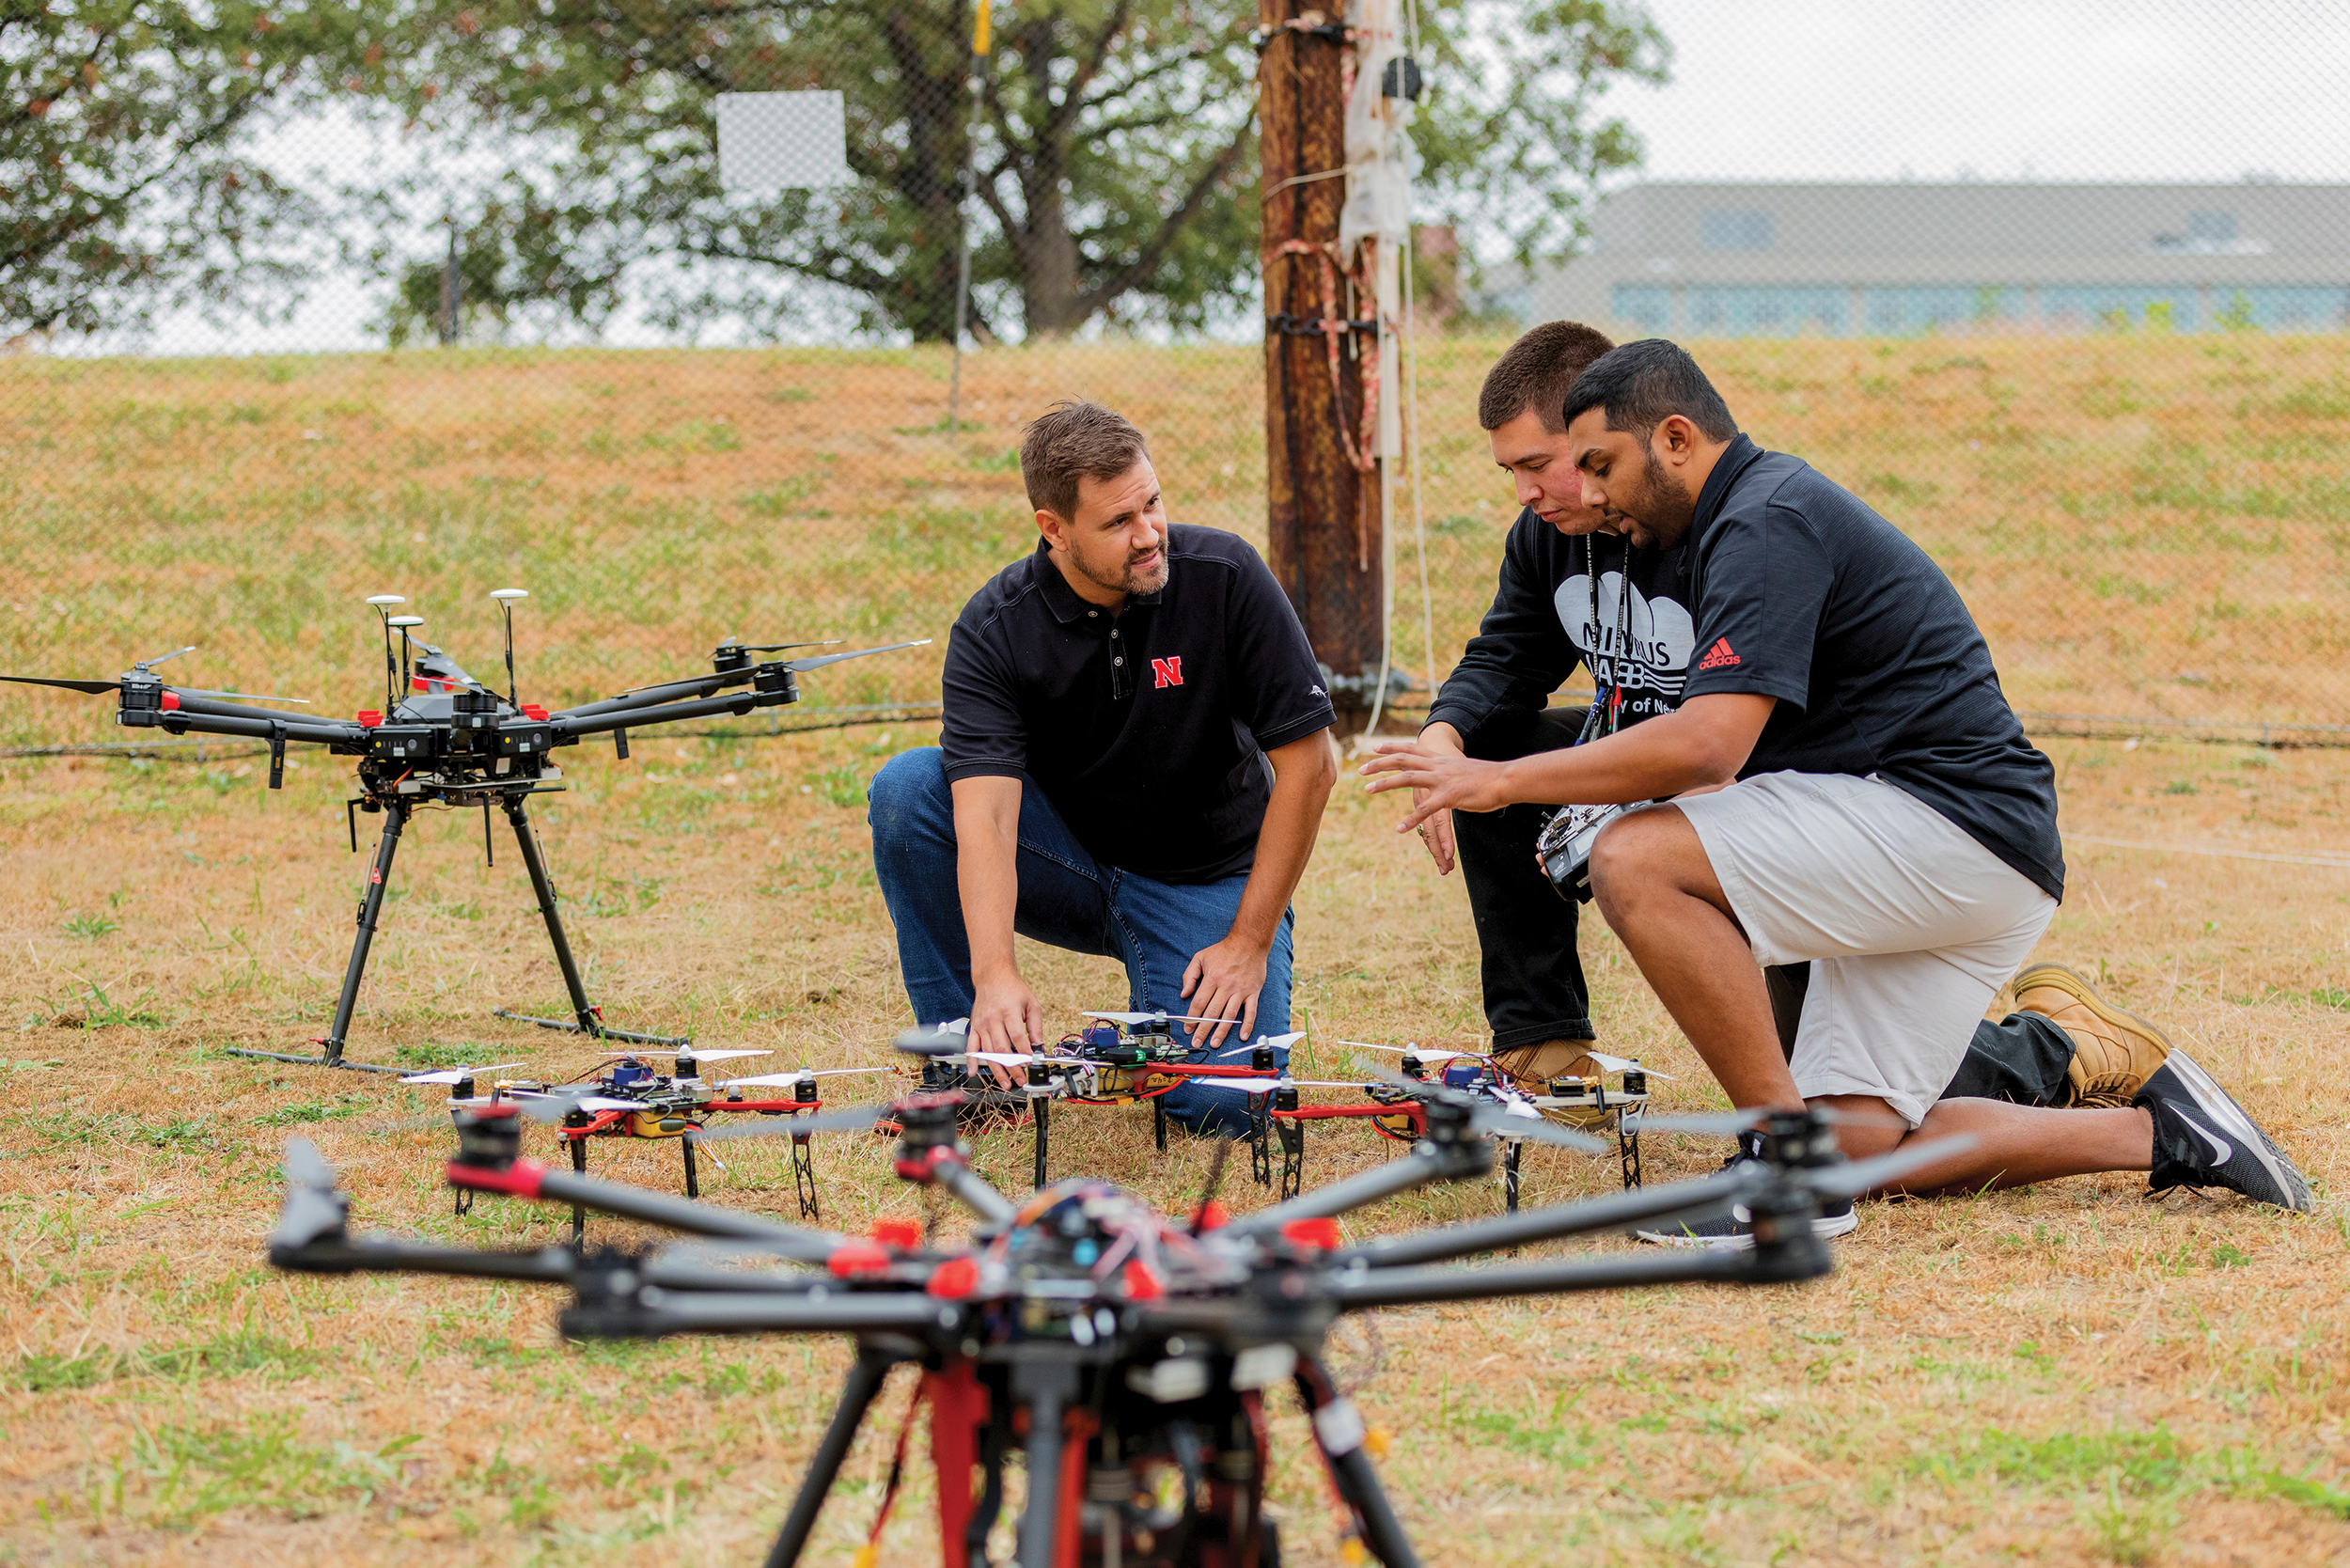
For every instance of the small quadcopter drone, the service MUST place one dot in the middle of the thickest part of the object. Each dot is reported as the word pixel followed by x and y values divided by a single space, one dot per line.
pixel 629 1098
pixel 1127 1353
pixel 1584 1101
pixel 443 738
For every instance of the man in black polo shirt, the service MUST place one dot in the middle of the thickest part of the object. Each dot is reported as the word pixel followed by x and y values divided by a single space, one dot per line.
pixel 1888 824
pixel 1134 763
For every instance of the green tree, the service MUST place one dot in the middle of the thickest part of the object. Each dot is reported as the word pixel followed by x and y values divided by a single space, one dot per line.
pixel 1116 157
pixel 126 183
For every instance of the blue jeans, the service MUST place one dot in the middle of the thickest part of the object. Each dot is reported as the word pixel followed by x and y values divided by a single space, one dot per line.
pixel 1068 900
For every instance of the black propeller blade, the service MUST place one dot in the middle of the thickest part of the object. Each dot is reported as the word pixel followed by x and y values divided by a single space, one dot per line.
pixel 93 687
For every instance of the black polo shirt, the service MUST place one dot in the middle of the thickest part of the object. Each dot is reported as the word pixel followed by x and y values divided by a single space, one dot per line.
pixel 1146 729
pixel 1802 592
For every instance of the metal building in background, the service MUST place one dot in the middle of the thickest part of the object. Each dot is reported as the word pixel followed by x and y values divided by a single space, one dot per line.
pixel 1851 261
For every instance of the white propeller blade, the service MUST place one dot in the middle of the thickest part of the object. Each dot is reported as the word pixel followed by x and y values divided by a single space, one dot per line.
pixel 1413 1051
pixel 456 1075
pixel 688 1055
pixel 780 1080
pixel 1625 1064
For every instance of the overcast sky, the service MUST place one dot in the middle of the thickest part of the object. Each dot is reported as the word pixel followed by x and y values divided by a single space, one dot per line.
pixel 1873 89
pixel 1997 89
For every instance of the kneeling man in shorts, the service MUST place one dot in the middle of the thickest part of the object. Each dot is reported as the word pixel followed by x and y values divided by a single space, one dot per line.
pixel 1842 785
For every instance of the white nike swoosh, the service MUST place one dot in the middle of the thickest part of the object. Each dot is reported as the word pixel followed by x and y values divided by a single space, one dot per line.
pixel 2222 1151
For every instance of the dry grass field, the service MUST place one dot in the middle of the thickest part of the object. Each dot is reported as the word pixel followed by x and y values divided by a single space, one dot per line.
pixel 2070 1373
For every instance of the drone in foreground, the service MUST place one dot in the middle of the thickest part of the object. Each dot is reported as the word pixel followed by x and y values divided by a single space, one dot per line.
pixel 444 738
pixel 629 1098
pixel 1128 1352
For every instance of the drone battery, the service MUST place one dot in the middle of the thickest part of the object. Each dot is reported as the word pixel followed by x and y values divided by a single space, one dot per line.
pixel 401 743
pixel 525 740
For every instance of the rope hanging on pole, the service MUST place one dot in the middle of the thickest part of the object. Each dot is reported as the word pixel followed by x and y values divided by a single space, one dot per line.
pixel 1334 325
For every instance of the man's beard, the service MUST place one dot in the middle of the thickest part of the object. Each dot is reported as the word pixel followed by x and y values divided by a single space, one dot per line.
pixel 1124 579
pixel 1665 505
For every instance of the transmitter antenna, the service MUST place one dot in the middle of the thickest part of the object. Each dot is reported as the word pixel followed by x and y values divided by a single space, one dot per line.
pixel 384 603
pixel 403 622
pixel 505 598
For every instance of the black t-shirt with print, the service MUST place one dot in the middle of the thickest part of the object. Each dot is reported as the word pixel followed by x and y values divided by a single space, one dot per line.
pixel 1802 592
pixel 1146 729
pixel 1543 623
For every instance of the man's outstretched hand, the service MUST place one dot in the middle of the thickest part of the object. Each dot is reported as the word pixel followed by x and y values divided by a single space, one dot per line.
pixel 1004 1016
pixel 1440 780
pixel 1223 982
pixel 1436 832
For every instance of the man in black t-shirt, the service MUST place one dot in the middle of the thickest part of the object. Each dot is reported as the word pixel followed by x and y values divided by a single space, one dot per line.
pixel 1573 593
pixel 1569 597
pixel 1849 788
pixel 1134 763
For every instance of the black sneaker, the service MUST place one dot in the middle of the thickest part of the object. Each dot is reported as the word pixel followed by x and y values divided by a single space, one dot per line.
pixel 1734 1230
pixel 2203 1139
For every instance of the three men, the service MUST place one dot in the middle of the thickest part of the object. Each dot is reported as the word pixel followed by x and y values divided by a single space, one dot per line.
pixel 1849 790
pixel 1135 760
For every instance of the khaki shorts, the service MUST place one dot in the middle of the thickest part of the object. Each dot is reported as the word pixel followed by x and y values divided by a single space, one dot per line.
pixel 1909 925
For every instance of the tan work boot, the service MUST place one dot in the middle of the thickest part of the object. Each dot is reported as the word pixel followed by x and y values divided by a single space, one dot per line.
pixel 2114 1052
pixel 1534 1066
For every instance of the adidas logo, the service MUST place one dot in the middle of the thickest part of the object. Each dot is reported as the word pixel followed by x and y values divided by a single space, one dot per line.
pixel 1719 656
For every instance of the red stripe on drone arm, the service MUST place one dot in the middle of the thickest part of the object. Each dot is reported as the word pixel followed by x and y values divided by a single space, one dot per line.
pixel 595 1125
pixel 523 1179
pixel 1325 1113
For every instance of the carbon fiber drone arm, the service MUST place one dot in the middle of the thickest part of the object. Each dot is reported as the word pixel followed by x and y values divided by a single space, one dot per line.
pixel 599 718
pixel 210 718
pixel 1803 1257
pixel 529 1179
pixel 1690 1199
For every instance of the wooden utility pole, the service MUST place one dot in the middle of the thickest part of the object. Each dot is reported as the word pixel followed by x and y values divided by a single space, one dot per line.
pixel 1323 504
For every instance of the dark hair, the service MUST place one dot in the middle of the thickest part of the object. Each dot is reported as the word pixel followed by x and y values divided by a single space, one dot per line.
pixel 1642 385
pixel 1072 440
pixel 1535 372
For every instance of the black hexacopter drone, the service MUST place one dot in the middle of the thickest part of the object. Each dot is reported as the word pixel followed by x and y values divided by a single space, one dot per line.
pixel 444 738
pixel 1125 1353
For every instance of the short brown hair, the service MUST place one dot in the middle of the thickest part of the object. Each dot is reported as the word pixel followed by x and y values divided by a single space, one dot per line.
pixel 1536 372
pixel 1072 440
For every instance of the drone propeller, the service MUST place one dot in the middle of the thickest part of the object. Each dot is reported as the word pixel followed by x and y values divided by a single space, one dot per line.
pixel 457 1074
pixel 783 1080
pixel 1625 1064
pixel 243 697
pixel 798 1126
pixel 800 667
pixel 781 647
pixel 1859 1176
pixel 555 1104
pixel 944 1041
pixel 93 687
pixel 313 1209
pixel 1723 1123
pixel 1131 1018
pixel 145 664
pixel 1513 1117
pixel 687 1054
pixel 1413 1051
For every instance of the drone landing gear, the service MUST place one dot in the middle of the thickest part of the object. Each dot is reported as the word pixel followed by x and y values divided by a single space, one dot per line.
pixel 865 1376
pixel 587 1019
pixel 1511 1154
pixel 370 907
pixel 1041 1119
pixel 1628 1149
pixel 804 1176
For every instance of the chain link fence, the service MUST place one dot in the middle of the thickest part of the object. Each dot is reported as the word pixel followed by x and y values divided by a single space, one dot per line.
pixel 519 329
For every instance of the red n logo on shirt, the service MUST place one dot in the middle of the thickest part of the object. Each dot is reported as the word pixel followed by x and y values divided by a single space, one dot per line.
pixel 1167 672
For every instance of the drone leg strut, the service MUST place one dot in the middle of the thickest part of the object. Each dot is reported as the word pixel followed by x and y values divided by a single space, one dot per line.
pixel 1158 1123
pixel 1043 1115
pixel 1046 1388
pixel 371 908
pixel 519 815
pixel 1292 1136
pixel 693 1186
pixel 1338 1432
pixel 1512 1154
pixel 1261 1139
pixel 804 1176
pixel 579 1211
pixel 866 1376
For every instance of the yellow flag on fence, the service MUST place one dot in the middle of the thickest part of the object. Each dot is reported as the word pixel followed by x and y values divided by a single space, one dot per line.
pixel 980 38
